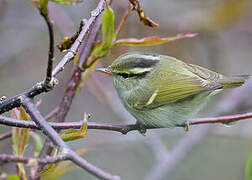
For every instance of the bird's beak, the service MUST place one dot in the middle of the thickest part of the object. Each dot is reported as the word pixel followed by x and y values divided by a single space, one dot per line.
pixel 104 70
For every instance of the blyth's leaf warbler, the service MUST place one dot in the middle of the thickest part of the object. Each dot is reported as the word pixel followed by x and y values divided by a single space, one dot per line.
pixel 162 91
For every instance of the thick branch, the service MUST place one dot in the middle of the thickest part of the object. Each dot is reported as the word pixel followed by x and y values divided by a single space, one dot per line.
pixel 120 128
pixel 15 101
pixel 32 110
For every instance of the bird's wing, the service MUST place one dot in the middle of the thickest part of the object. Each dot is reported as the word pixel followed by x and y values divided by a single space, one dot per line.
pixel 204 73
pixel 174 88
pixel 226 82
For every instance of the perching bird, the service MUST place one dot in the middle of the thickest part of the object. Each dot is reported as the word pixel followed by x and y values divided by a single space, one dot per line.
pixel 161 91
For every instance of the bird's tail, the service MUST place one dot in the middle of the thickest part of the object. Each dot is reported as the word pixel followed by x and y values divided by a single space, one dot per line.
pixel 234 81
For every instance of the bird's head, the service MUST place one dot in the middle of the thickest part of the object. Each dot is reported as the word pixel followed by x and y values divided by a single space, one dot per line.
pixel 132 68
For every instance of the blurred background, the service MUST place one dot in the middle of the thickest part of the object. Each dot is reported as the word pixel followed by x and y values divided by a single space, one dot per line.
pixel 223 44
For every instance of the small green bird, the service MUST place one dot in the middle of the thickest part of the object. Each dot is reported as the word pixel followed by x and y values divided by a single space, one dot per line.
pixel 161 91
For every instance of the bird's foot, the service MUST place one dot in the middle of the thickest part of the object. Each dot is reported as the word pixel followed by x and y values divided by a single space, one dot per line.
pixel 141 129
pixel 186 126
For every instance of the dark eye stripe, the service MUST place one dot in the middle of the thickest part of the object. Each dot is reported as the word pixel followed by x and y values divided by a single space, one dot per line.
pixel 126 75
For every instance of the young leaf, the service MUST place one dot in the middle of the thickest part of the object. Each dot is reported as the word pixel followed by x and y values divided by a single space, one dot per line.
pixel 36 3
pixel 60 168
pixel 41 5
pixel 49 169
pixel 44 7
pixel 108 21
pixel 152 40
pixel 54 175
pixel 38 143
pixel 20 138
pixel 146 20
pixel 76 59
pixel 73 134
pixel 68 42
pixel 248 170
pixel 67 2
pixel 13 177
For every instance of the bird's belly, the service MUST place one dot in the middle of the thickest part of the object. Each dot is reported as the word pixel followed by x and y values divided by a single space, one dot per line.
pixel 172 114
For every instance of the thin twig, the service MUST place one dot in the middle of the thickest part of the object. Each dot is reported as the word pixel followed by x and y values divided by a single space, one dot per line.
pixel 52 113
pixel 51 49
pixel 123 20
pixel 5 135
pixel 26 160
pixel 124 129
pixel 95 14
pixel 73 50
pixel 145 19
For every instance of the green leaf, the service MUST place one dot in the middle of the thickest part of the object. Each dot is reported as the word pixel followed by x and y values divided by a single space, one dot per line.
pixel 67 2
pixel 36 3
pixel 44 7
pixel 49 169
pixel 68 42
pixel 61 168
pixel 248 170
pixel 41 5
pixel 38 143
pixel 56 175
pixel 13 177
pixel 73 134
pixel 20 138
pixel 76 59
pixel 152 40
pixel 108 34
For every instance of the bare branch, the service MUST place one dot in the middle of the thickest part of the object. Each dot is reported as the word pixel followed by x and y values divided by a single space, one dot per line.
pixel 123 20
pixel 51 49
pixel 124 129
pixel 145 19
pixel 5 135
pixel 46 160
pixel 88 26
pixel 52 113
pixel 32 110
pixel 15 101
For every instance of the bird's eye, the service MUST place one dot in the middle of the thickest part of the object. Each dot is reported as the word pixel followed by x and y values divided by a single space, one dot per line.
pixel 125 75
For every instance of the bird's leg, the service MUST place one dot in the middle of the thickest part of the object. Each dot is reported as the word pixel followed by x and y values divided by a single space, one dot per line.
pixel 186 126
pixel 141 128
